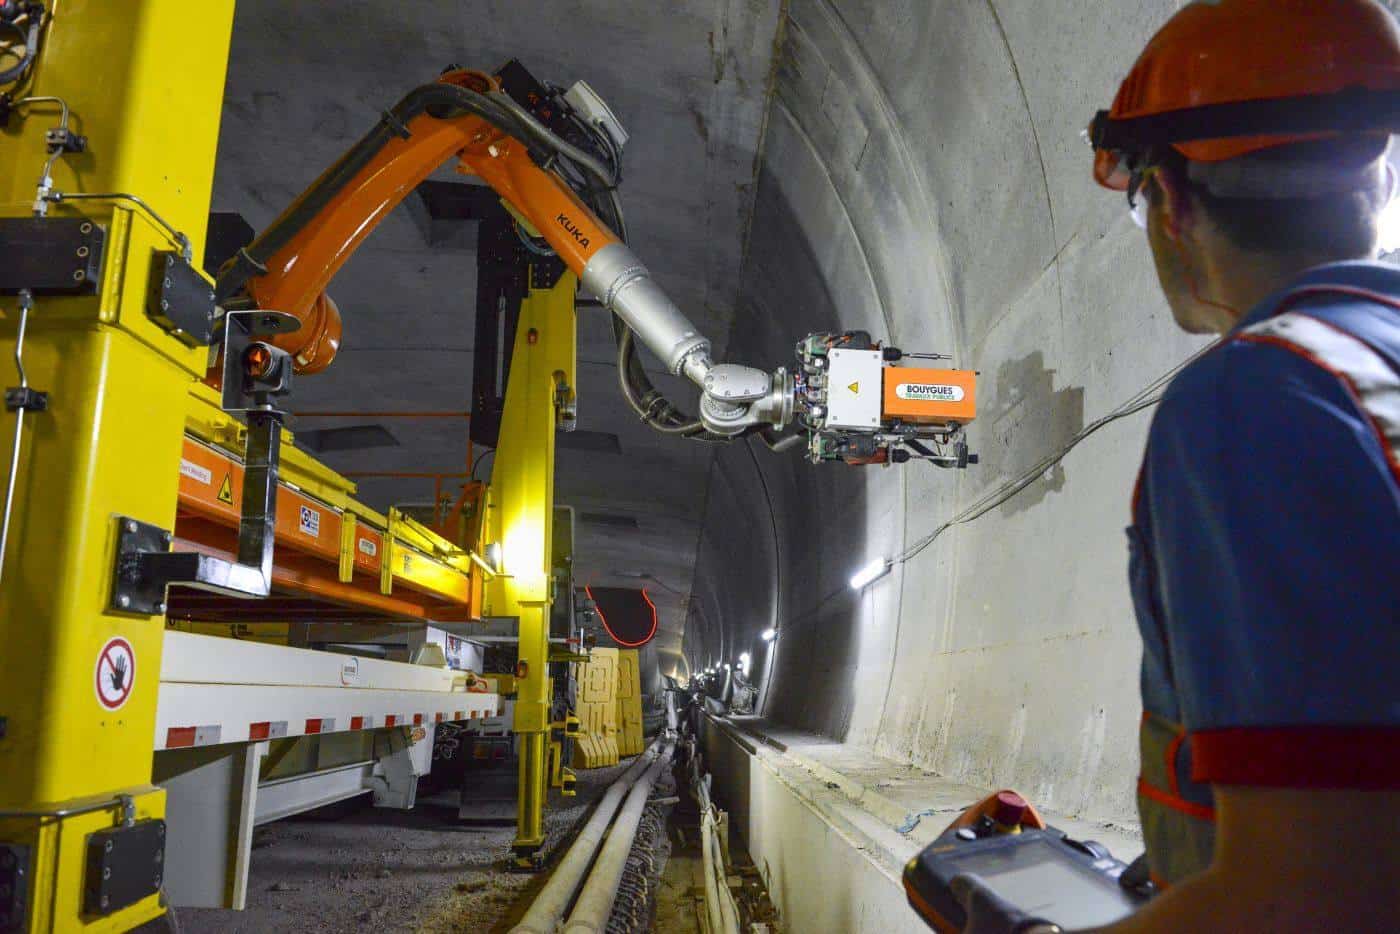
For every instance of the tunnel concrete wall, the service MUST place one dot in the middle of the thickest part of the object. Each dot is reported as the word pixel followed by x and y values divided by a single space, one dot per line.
pixel 923 177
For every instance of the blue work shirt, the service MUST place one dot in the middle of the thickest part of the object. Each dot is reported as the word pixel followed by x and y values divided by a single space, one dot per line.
pixel 1265 560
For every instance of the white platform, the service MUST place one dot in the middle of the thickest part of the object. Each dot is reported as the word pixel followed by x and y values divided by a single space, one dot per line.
pixel 216 690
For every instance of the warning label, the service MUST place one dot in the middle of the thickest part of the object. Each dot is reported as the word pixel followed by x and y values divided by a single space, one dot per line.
pixel 195 472
pixel 368 547
pixel 226 489
pixel 310 522
pixel 115 674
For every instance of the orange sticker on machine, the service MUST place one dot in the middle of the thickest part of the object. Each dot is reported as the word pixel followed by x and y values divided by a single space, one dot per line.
pixel 930 396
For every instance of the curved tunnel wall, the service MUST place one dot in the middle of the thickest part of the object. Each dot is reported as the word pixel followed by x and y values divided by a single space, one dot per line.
pixel 923 177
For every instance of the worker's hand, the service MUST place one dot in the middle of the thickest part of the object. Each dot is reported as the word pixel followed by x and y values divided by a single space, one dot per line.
pixel 989 913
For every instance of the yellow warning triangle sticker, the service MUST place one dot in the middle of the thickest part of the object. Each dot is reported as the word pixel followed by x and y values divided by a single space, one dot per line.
pixel 854 387
pixel 226 490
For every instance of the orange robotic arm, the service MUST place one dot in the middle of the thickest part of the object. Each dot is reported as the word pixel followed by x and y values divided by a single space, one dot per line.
pixel 289 266
pixel 467 115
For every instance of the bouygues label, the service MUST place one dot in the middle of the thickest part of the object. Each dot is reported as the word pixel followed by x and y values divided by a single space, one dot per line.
pixel 929 392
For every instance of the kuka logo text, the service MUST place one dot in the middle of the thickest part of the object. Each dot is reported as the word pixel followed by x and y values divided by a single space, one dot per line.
pixel 572 228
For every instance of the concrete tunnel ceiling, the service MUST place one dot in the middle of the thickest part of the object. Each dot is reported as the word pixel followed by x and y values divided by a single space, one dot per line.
pixel 688 81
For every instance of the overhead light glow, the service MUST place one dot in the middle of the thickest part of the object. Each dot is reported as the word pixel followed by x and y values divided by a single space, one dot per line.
pixel 726 666
pixel 769 634
pixel 744 660
pixel 870 573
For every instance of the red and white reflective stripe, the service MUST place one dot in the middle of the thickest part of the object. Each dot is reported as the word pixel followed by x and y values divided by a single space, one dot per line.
pixel 183 737
pixel 361 723
pixel 1370 378
pixel 320 725
pixel 418 719
pixel 267 729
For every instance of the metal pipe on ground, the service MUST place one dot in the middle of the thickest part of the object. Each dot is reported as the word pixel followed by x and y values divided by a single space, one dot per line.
pixel 548 908
pixel 595 903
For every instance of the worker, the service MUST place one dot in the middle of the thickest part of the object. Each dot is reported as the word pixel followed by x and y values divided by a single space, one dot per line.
pixel 1250 138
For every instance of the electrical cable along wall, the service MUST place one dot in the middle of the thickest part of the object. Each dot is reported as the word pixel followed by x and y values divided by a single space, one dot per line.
pixel 923 177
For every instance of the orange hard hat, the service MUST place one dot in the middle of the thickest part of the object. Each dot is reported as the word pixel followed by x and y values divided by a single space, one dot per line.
pixel 1226 78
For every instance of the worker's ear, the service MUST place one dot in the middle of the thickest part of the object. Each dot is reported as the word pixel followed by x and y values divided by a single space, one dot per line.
pixel 1169 197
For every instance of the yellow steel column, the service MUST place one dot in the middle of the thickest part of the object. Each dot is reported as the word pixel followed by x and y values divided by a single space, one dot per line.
pixel 144 81
pixel 522 493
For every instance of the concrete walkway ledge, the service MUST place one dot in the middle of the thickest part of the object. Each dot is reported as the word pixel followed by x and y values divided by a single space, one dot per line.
pixel 829 825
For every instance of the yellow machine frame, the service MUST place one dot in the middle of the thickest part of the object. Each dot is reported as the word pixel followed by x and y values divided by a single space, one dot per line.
pixel 110 445
pixel 146 79
pixel 520 515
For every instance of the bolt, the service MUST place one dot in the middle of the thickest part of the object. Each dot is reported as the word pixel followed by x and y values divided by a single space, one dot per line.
pixel 79 275
pixel 85 228
pixel 157 881
pixel 105 901
pixel 131 525
pixel 106 872
pixel 165 537
pixel 164 305
pixel 123 601
pixel 160 830
pixel 82 251
pixel 160 607
pixel 160 855
pixel 107 847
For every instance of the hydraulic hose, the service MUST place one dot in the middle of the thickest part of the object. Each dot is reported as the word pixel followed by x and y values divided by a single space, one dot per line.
pixel 541 134
pixel 595 903
pixel 712 901
pixel 548 907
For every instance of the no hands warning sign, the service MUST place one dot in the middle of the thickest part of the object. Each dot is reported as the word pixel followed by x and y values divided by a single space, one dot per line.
pixel 116 673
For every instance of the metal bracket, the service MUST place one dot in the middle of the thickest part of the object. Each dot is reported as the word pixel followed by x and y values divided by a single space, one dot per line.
pixel 14 886
pixel 51 255
pixel 124 865
pixel 146 566
pixel 25 398
pixel 180 300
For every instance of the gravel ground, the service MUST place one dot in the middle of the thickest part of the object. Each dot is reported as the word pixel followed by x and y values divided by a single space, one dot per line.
pixel 357 868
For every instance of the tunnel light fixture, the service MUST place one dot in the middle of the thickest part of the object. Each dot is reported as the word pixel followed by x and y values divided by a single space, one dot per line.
pixel 744 660
pixel 726 666
pixel 769 634
pixel 871 573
